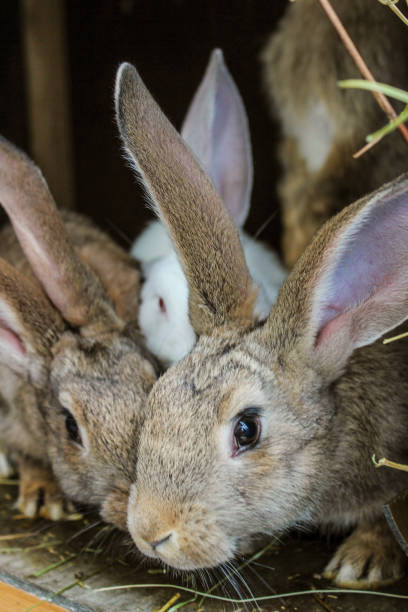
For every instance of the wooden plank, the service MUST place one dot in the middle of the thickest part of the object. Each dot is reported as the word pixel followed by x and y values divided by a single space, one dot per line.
pixel 16 600
pixel 47 83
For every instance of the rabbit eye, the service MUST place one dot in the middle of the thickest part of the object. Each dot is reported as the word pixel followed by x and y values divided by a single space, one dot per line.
pixel 246 433
pixel 72 427
pixel 162 306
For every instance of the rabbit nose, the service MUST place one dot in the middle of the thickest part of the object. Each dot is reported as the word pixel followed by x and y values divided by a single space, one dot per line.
pixel 158 543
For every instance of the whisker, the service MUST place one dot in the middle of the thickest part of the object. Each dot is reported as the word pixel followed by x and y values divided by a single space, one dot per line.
pixel 262 579
pixel 98 540
pixel 265 224
pixel 205 578
pixel 118 231
pixel 231 573
pixel 266 583
pixel 227 582
pixel 269 567
pixel 84 530
pixel 246 585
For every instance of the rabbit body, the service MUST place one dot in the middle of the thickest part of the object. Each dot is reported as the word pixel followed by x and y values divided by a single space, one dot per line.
pixel 323 125
pixel 73 368
pixel 268 425
pixel 216 129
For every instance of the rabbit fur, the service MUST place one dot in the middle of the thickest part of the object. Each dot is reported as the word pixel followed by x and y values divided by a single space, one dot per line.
pixel 321 124
pixel 216 129
pixel 268 425
pixel 74 372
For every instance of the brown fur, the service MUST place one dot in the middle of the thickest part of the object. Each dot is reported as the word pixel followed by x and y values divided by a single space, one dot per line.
pixel 324 404
pixel 208 303
pixel 98 372
pixel 300 72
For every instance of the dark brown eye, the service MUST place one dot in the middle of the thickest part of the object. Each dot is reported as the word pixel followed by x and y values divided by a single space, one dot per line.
pixel 162 306
pixel 72 427
pixel 246 432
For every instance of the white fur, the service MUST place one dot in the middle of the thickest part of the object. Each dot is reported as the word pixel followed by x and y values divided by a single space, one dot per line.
pixel 5 468
pixel 152 244
pixel 169 335
pixel 266 271
pixel 314 132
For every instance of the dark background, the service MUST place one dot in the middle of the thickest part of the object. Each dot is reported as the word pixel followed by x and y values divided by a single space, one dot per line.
pixel 169 41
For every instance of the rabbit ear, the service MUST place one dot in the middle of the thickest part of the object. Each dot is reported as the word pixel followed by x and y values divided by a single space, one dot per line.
pixel 351 284
pixel 24 194
pixel 216 129
pixel 203 232
pixel 29 325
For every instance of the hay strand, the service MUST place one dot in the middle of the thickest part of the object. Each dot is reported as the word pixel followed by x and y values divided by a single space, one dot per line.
pixel 383 462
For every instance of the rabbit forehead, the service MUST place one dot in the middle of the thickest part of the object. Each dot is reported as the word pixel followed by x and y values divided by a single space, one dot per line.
pixel 110 359
pixel 109 406
pixel 215 362
pixel 222 375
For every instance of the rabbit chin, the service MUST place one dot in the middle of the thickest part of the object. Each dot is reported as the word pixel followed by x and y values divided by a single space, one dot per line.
pixel 183 552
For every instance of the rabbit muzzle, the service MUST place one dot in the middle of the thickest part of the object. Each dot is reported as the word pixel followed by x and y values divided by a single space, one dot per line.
pixel 183 536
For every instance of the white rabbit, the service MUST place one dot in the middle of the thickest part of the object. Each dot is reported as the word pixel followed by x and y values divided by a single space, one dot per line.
pixel 216 128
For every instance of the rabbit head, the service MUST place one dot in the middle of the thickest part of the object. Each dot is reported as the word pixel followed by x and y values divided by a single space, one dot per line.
pixel 93 413
pixel 266 425
pixel 74 372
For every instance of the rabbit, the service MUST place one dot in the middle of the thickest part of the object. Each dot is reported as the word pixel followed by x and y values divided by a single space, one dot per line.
pixel 216 129
pixel 73 368
pixel 268 425
pixel 322 125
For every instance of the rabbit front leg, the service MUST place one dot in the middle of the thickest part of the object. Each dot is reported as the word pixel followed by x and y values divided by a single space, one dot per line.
pixel 370 557
pixel 39 492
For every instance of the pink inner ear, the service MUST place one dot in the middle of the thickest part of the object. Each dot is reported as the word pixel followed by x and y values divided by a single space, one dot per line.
pixel 231 164
pixel 332 327
pixel 216 129
pixel 363 289
pixel 7 337
pixel 366 259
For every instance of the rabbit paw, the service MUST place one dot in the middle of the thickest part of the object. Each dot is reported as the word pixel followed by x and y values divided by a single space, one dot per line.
pixel 6 468
pixel 39 493
pixel 370 557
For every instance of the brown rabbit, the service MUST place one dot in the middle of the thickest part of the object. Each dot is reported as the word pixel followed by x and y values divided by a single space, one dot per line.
pixel 74 373
pixel 269 425
pixel 323 125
